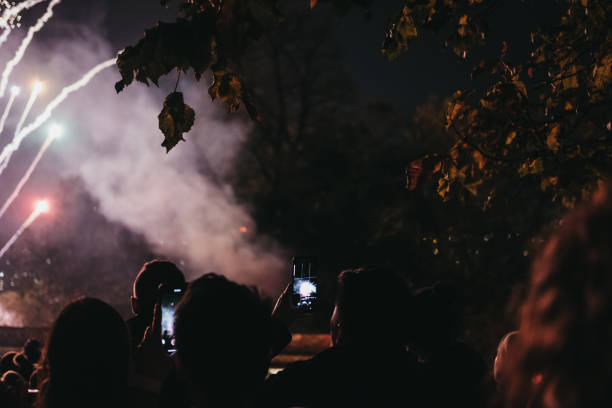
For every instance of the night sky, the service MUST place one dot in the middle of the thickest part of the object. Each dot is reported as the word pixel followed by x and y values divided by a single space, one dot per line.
pixel 426 69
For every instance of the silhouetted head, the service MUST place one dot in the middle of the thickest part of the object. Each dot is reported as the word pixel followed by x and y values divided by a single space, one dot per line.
pixel 565 358
pixel 435 319
pixel 33 350
pixel 151 275
pixel 222 340
pixel 506 353
pixel 87 357
pixel 372 306
pixel 12 379
pixel 6 363
pixel 16 389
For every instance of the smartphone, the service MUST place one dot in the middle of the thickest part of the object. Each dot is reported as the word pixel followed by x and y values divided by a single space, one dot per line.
pixel 305 283
pixel 169 298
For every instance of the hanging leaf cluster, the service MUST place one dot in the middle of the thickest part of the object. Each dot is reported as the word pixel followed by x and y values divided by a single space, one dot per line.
pixel 175 119
pixel 208 36
pixel 418 17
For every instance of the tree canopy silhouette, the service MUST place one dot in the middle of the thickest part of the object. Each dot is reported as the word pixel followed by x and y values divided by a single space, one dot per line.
pixel 543 118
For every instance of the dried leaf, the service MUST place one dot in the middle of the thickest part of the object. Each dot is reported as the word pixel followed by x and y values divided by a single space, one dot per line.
pixel 413 173
pixel 552 140
pixel 510 138
pixel 175 119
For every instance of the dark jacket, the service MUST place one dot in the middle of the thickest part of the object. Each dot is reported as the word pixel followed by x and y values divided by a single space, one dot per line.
pixel 348 377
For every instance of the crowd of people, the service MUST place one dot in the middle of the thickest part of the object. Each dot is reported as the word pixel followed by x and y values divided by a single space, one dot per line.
pixel 392 346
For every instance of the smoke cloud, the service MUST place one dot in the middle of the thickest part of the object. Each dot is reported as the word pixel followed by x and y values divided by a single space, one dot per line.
pixel 177 201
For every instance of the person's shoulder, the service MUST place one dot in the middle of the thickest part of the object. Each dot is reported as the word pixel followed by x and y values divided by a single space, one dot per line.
pixel 325 357
pixel 306 368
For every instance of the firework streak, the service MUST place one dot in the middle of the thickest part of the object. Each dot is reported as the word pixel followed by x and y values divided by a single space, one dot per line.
pixel 23 227
pixel 24 45
pixel 10 148
pixel 27 174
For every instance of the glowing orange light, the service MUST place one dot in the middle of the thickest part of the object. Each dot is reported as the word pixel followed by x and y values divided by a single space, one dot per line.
pixel 243 229
pixel 41 206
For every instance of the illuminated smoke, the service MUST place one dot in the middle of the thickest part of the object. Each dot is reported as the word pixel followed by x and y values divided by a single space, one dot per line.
pixel 179 201
pixel 40 23
pixel 10 148
pixel 7 109
pixel 10 13
pixel 39 209
pixel 52 136
pixel 9 318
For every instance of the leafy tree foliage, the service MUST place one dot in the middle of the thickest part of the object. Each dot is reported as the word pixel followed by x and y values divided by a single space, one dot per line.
pixel 545 118
pixel 343 6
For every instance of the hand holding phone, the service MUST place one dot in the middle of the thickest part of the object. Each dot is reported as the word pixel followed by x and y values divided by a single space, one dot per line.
pixel 151 359
pixel 169 298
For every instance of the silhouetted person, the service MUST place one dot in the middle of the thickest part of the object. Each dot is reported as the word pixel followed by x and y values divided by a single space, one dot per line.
pixel 22 365
pixel 38 376
pixel 87 357
pixel 222 345
pixel 5 397
pixel 497 385
pixel 6 362
pixel 368 365
pixel 456 372
pixel 16 389
pixel 564 358
pixel 145 294
pixel 506 353
pixel 33 350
